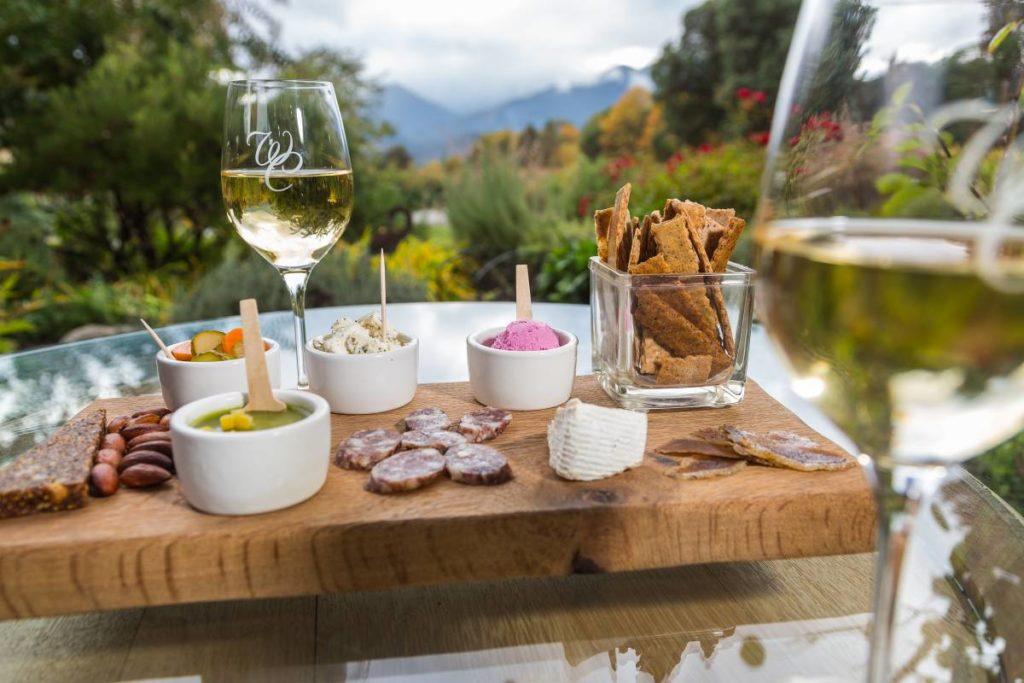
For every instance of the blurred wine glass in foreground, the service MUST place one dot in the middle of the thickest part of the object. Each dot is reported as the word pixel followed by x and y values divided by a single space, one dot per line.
pixel 891 261
pixel 287 179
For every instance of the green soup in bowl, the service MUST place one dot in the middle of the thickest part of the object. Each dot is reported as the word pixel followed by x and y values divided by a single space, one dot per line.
pixel 238 420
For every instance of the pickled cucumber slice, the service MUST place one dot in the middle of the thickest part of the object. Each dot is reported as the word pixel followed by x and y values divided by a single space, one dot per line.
pixel 207 340
pixel 209 356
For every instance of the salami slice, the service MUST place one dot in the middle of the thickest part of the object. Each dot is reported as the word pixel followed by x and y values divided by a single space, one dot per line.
pixel 406 471
pixel 428 420
pixel 366 448
pixel 440 440
pixel 484 425
pixel 473 463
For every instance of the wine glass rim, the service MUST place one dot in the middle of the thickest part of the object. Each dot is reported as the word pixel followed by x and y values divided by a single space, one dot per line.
pixel 283 83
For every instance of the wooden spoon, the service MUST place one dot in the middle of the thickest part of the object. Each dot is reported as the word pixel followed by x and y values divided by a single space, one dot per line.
pixel 156 338
pixel 383 297
pixel 261 397
pixel 524 310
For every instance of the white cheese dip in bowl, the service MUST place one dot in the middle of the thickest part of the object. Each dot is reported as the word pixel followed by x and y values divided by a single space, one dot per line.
pixel 358 372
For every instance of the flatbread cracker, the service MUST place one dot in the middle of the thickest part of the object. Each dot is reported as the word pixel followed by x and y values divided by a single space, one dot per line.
pixel 618 223
pixel 691 370
pixel 650 355
pixel 695 446
pixel 673 243
pixel 786 449
pixel 626 245
pixel 727 244
pixel 602 219
pixel 704 467
pixel 674 332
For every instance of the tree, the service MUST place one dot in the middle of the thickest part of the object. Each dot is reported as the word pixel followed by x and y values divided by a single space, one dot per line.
pixel 126 130
pixel 622 128
pixel 726 45
pixel 686 75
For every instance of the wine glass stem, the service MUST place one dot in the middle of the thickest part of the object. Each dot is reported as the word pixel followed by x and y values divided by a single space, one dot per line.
pixel 899 493
pixel 295 281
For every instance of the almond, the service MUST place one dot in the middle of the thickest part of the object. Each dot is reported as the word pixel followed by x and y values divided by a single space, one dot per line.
pixel 159 412
pixel 147 437
pixel 117 424
pixel 148 458
pixel 109 456
pixel 146 419
pixel 114 442
pixel 130 433
pixel 103 478
pixel 154 445
pixel 144 475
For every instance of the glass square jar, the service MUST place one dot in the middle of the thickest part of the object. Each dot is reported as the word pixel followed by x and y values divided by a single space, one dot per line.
pixel 671 341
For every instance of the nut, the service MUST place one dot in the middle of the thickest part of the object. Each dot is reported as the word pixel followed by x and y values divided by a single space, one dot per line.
pixel 159 412
pixel 103 479
pixel 165 421
pixel 146 419
pixel 147 457
pixel 144 475
pixel 109 456
pixel 114 442
pixel 154 445
pixel 131 433
pixel 147 437
pixel 117 424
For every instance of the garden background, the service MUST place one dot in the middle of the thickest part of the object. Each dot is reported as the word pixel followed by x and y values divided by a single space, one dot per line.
pixel 110 206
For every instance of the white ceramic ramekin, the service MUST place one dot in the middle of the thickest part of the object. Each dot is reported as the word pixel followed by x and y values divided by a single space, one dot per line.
pixel 521 380
pixel 364 383
pixel 183 381
pixel 244 473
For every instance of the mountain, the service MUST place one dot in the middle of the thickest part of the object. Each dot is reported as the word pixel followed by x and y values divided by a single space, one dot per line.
pixel 430 131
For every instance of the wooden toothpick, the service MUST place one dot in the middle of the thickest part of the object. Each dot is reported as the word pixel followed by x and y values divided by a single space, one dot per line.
pixel 156 338
pixel 261 396
pixel 383 297
pixel 524 310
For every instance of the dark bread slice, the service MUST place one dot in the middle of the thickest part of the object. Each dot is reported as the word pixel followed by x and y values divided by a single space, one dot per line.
pixel 53 475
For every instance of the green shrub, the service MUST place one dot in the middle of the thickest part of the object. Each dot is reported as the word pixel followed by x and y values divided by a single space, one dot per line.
pixel 346 276
pixel 487 207
pixel 564 276
pixel 1002 470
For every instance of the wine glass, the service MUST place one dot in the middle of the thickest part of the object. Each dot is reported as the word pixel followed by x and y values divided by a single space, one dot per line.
pixel 891 261
pixel 287 179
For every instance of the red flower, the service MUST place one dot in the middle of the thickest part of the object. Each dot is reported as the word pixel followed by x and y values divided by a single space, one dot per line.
pixel 583 206
pixel 759 138
pixel 705 147
pixel 743 93
pixel 758 96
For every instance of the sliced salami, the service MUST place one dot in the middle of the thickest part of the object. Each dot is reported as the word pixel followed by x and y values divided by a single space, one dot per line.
pixel 406 471
pixel 366 448
pixel 484 425
pixel 473 463
pixel 428 420
pixel 441 440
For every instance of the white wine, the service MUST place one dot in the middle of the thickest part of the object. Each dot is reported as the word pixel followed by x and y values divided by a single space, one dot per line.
pixel 291 218
pixel 891 331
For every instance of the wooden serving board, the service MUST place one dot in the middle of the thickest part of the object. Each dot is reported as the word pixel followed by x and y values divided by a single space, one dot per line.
pixel 150 548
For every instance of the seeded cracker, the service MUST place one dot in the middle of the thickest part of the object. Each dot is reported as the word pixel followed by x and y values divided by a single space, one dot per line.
pixel 726 245
pixel 692 370
pixel 602 219
pixel 618 223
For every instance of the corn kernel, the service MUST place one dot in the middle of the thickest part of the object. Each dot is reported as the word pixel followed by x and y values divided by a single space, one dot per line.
pixel 227 422
pixel 243 421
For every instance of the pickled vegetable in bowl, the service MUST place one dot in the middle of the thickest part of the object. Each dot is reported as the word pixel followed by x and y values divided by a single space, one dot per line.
pixel 212 345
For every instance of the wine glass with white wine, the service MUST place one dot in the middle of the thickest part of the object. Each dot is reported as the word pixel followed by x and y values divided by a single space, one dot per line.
pixel 287 179
pixel 889 246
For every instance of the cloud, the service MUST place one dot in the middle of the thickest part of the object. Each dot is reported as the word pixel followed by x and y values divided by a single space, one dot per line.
pixel 468 54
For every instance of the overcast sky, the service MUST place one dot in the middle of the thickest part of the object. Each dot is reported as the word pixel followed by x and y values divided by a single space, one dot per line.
pixel 471 53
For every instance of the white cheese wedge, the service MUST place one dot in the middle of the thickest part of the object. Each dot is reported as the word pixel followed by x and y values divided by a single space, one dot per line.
pixel 588 442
